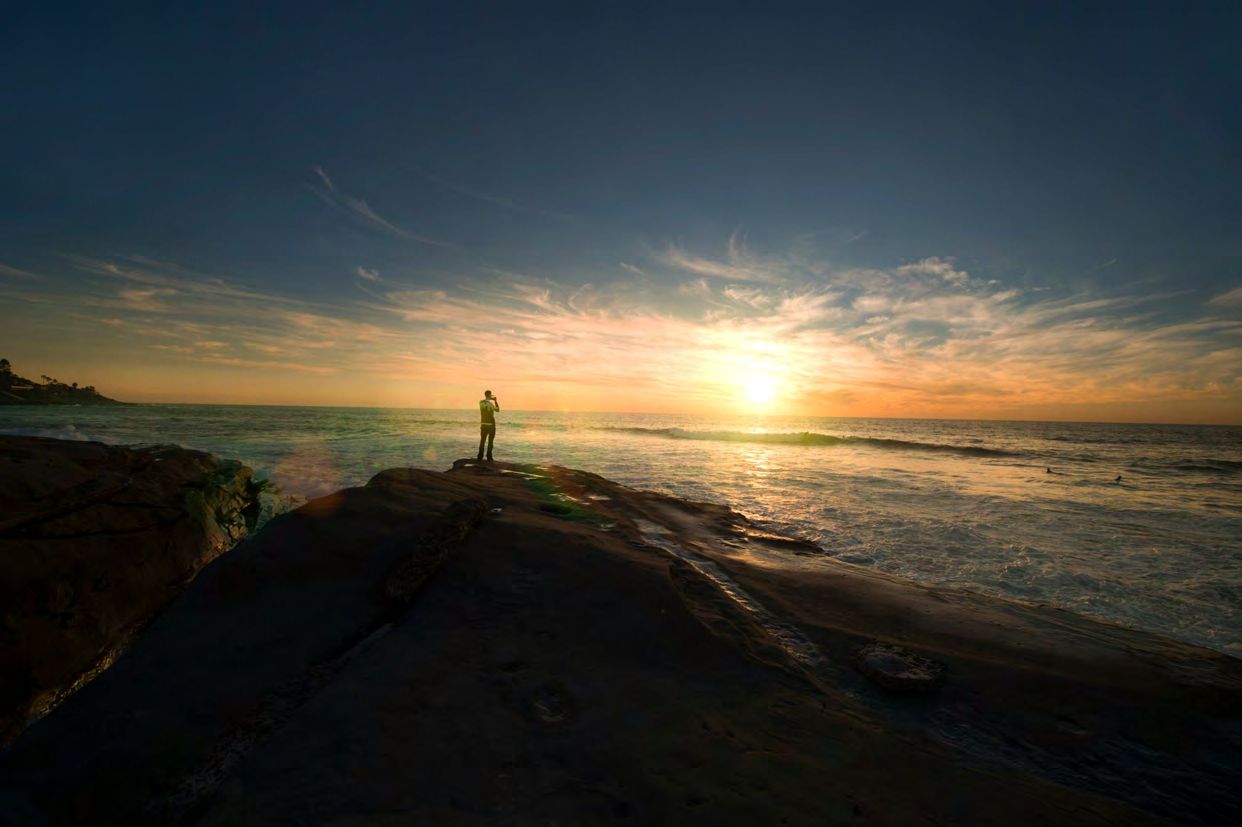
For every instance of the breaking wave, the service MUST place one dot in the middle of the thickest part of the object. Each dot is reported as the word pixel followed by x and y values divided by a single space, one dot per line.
pixel 68 432
pixel 812 438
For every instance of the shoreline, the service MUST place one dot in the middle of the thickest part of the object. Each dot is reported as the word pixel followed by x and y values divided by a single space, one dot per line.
pixel 528 609
pixel 905 545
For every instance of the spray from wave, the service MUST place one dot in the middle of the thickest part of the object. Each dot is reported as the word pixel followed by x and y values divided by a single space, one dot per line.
pixel 67 432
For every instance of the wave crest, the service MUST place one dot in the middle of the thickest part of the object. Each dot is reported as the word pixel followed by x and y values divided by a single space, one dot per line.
pixel 1209 465
pixel 812 438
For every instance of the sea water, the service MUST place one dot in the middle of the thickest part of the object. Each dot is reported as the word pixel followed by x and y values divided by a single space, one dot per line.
pixel 1024 510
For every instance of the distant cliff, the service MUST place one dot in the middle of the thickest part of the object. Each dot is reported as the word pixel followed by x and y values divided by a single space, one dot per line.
pixel 18 390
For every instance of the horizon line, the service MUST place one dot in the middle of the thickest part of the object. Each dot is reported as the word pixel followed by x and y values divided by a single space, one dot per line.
pixel 688 414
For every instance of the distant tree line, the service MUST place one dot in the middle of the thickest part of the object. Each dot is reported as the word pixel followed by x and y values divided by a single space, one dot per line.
pixel 50 389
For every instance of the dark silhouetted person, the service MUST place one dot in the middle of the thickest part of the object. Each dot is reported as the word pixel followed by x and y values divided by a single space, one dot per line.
pixel 488 407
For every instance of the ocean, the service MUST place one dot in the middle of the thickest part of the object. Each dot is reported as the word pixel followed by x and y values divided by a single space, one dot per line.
pixel 1030 511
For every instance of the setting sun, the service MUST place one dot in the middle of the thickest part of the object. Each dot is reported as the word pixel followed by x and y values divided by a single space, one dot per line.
pixel 760 388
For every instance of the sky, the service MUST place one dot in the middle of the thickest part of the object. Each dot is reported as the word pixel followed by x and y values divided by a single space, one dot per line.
pixel 1003 211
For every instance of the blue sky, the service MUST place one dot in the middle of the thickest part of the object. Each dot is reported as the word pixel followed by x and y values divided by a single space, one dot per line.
pixel 349 168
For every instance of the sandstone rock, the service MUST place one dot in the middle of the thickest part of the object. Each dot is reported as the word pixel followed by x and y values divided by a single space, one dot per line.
pixel 94 539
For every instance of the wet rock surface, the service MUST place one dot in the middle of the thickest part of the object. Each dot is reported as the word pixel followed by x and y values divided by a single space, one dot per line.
pixel 95 539
pixel 439 648
pixel 894 668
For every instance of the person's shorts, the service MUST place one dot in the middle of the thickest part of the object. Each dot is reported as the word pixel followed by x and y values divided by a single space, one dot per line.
pixel 487 428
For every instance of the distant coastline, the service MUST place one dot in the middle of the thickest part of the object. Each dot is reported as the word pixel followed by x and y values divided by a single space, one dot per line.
pixel 18 390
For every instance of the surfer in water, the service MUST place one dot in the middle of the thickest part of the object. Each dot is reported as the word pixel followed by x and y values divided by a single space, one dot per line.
pixel 488 408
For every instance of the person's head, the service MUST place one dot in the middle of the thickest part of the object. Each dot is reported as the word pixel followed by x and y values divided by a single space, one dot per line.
pixel 487 394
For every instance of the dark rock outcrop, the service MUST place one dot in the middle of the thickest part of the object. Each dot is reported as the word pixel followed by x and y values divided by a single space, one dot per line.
pixel 533 645
pixel 436 542
pixel 894 668
pixel 94 539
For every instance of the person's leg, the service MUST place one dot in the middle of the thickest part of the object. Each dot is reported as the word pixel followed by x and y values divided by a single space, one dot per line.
pixel 482 439
pixel 491 438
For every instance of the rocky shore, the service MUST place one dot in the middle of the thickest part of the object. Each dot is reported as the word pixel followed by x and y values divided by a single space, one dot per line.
pixel 527 644
pixel 94 540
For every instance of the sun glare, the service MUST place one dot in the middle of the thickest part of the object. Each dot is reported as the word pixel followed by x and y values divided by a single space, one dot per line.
pixel 760 388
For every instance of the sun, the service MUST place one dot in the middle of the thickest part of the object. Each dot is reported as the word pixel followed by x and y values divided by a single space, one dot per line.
pixel 759 388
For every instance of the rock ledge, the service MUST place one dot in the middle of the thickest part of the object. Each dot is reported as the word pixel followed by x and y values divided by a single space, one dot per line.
pixel 94 540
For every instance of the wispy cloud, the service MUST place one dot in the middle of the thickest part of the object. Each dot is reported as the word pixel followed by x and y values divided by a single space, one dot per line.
pixel 323 176
pixel 494 200
pixel 368 275
pixel 1102 266
pixel 360 210
pixel 159 274
pixel 146 299
pixel 750 296
pixel 208 319
pixel 935 266
pixel 1232 298
pixel 739 265
pixel 17 273
pixel 920 338
pixel 270 364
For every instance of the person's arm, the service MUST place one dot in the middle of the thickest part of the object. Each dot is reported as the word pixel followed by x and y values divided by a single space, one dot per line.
pixel 496 404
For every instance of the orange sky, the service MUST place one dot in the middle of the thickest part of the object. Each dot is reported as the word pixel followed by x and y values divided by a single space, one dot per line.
pixel 730 334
